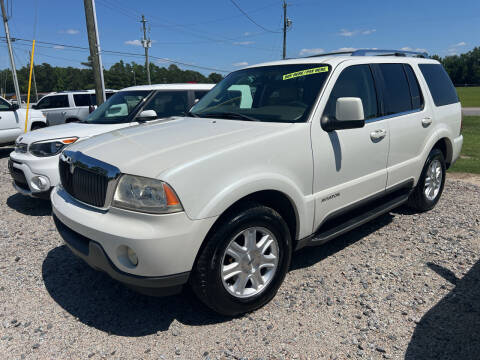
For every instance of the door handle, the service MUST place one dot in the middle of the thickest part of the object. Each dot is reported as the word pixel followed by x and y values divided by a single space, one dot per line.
pixel 426 121
pixel 64 113
pixel 378 134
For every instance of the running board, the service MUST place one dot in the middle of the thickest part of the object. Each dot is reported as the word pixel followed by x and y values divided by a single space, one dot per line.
pixel 337 225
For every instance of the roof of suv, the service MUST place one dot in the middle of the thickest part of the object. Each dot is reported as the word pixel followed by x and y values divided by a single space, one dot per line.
pixel 171 87
pixel 337 59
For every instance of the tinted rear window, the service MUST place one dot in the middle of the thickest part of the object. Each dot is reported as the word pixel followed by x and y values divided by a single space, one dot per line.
pixel 397 91
pixel 82 99
pixel 200 94
pixel 439 83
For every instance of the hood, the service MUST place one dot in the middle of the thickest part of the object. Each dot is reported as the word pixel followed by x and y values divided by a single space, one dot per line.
pixel 150 149
pixel 80 130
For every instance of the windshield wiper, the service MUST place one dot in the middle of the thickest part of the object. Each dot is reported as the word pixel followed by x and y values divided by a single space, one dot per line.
pixel 230 115
pixel 189 113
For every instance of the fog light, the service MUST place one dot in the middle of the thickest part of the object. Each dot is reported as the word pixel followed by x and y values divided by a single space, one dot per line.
pixel 132 256
pixel 39 183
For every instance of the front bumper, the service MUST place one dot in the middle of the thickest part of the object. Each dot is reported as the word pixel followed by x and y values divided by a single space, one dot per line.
pixel 31 166
pixel 166 245
pixel 94 255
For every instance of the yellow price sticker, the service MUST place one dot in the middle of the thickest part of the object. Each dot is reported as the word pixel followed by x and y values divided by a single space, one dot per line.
pixel 296 74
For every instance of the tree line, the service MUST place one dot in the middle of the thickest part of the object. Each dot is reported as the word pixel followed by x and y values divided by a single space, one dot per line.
pixel 463 69
pixel 118 76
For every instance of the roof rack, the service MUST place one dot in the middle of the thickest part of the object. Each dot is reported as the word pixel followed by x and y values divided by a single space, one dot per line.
pixel 377 52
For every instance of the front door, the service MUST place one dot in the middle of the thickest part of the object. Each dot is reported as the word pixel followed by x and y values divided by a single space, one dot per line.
pixel 349 165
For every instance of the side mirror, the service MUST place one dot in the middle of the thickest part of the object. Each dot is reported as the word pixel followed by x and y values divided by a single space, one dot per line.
pixel 14 107
pixel 348 115
pixel 147 115
pixel 34 106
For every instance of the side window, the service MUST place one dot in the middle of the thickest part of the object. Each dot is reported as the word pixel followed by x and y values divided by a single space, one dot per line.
pixel 415 91
pixel 355 81
pixel 4 105
pixel 396 89
pixel 439 83
pixel 60 101
pixel 169 103
pixel 81 99
pixel 200 94
pixel 52 102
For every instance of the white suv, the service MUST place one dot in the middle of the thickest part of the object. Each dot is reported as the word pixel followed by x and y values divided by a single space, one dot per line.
pixel 12 121
pixel 68 106
pixel 34 163
pixel 219 199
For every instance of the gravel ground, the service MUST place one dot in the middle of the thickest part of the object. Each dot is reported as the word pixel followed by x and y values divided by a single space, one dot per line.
pixel 403 286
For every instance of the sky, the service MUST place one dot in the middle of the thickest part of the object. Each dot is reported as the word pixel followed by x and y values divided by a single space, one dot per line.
pixel 217 35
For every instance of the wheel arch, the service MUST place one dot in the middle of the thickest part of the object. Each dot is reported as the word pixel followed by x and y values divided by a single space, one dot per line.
pixel 37 125
pixel 274 199
pixel 445 146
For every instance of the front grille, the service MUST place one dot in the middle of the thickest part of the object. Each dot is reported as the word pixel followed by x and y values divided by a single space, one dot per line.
pixel 21 148
pixel 83 183
pixel 18 176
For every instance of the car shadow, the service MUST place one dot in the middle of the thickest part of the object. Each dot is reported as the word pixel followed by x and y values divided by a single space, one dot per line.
pixel 5 152
pixel 105 304
pixel 101 302
pixel 450 329
pixel 27 205
pixel 309 256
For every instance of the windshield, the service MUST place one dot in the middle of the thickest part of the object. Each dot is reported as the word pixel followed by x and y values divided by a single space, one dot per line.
pixel 280 93
pixel 118 108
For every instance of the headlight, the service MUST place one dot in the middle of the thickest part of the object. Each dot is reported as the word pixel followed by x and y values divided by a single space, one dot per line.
pixel 50 147
pixel 146 195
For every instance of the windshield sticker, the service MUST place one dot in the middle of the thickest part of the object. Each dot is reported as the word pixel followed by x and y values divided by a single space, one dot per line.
pixel 305 72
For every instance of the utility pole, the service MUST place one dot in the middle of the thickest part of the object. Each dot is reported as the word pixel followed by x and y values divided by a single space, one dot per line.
pixel 286 25
pixel 12 60
pixel 146 43
pixel 34 81
pixel 94 44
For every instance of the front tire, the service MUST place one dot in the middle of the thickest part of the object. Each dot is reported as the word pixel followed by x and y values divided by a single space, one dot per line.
pixel 243 262
pixel 430 185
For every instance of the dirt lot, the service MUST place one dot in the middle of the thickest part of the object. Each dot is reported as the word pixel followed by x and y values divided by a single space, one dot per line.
pixel 404 286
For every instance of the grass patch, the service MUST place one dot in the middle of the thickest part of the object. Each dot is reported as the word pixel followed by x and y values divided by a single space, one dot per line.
pixel 469 96
pixel 469 160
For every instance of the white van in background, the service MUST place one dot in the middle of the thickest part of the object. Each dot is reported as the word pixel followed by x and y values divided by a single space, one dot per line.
pixel 34 163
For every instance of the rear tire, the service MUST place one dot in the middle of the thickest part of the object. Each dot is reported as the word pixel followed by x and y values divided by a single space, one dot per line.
pixel 430 185
pixel 259 272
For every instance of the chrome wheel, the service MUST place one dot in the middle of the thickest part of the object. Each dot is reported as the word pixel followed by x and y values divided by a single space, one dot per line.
pixel 250 262
pixel 433 180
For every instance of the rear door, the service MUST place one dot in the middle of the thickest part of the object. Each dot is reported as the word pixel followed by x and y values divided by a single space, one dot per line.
pixel 409 118
pixel 9 123
pixel 55 108
pixel 349 165
pixel 82 105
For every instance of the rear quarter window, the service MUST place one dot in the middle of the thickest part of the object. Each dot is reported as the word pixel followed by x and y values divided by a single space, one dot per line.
pixel 441 87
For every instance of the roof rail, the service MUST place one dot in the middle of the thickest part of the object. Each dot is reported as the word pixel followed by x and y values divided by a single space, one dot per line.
pixel 377 52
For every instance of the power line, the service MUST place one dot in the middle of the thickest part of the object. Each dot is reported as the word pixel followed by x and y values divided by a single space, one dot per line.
pixel 170 26
pixel 127 54
pixel 249 18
